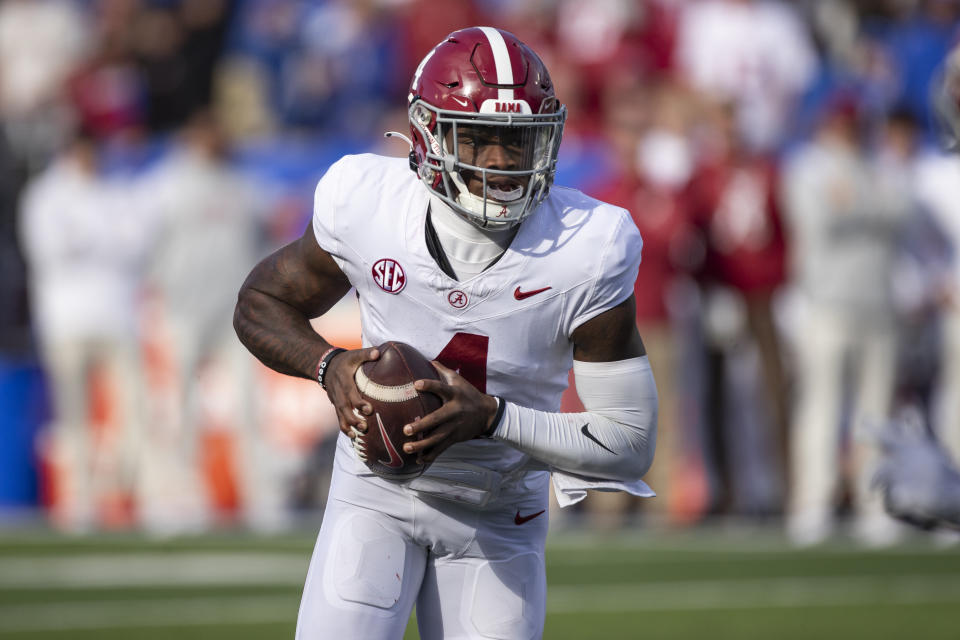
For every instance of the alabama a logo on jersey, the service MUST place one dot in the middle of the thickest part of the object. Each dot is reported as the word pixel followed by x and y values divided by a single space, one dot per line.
pixel 457 299
pixel 389 275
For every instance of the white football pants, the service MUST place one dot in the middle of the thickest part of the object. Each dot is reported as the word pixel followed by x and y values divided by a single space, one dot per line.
pixel 471 572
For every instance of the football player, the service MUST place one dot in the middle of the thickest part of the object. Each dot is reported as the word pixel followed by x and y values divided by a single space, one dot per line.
pixel 477 260
pixel 919 477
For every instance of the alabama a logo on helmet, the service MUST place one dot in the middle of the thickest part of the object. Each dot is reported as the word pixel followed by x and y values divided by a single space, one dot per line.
pixel 389 275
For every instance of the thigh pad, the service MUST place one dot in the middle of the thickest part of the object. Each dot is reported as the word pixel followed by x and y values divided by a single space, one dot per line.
pixel 368 565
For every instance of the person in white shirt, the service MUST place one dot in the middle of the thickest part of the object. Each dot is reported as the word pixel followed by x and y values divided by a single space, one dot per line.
pixel 207 218
pixel 85 245
pixel 501 276
pixel 844 213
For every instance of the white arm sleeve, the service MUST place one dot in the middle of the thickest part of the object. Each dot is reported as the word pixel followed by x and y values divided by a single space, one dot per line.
pixel 613 440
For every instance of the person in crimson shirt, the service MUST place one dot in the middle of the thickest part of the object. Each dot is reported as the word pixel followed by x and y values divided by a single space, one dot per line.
pixel 733 198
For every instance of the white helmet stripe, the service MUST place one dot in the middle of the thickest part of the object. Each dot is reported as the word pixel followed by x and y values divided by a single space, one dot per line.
pixel 501 56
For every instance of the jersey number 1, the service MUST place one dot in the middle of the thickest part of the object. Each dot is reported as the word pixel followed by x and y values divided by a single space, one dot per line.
pixel 466 353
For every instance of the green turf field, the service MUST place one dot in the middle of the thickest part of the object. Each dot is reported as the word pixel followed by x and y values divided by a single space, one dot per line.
pixel 692 585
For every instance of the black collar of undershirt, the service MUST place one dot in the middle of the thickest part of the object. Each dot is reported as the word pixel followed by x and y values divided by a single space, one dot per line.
pixel 436 250
pixel 437 253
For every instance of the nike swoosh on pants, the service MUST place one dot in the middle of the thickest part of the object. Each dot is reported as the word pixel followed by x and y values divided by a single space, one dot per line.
pixel 519 519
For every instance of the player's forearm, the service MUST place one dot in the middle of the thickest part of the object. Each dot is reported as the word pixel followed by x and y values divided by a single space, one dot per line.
pixel 614 439
pixel 279 335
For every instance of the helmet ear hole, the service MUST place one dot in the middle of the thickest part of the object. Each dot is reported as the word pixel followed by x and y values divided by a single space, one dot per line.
pixel 423 115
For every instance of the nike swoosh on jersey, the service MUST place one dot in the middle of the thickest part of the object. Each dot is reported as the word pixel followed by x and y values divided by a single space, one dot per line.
pixel 586 431
pixel 523 295
pixel 519 519
pixel 395 461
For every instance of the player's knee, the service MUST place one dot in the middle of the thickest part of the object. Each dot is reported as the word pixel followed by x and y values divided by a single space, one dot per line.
pixel 509 600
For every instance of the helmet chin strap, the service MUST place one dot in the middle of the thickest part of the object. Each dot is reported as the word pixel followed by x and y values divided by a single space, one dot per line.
pixel 484 209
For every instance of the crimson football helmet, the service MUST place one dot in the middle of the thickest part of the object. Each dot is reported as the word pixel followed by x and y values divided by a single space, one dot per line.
pixel 480 92
pixel 946 99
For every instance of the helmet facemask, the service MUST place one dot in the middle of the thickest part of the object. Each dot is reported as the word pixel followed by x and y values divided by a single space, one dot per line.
pixel 519 149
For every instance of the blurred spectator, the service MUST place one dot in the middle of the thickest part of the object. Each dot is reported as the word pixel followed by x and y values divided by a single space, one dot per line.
pixel 85 246
pixel 597 38
pixel 332 66
pixel 40 41
pixel 208 219
pixel 734 199
pixel 845 210
pixel 166 69
pixel 835 25
pixel 15 333
pixel 177 49
pixel 754 53
pixel 346 71
pixel 106 88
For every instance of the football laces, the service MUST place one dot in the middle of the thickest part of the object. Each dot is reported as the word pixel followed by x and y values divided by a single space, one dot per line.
pixel 358 444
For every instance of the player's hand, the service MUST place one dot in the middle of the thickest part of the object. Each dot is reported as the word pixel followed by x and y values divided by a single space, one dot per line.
pixel 352 409
pixel 466 413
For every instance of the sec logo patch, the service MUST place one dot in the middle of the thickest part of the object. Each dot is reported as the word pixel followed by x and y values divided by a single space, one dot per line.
pixel 389 275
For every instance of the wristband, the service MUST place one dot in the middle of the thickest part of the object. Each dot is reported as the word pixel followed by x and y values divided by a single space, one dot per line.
pixel 497 418
pixel 324 364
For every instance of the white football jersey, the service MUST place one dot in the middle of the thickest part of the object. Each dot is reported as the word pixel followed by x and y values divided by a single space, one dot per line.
pixel 506 330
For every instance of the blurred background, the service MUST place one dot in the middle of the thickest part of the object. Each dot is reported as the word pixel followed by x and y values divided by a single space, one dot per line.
pixel 798 280
pixel 799 286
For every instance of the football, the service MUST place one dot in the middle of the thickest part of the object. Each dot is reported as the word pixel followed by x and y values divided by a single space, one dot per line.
pixel 387 384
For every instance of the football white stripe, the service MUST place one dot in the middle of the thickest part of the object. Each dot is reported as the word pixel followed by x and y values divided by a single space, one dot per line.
pixel 502 59
pixel 381 392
